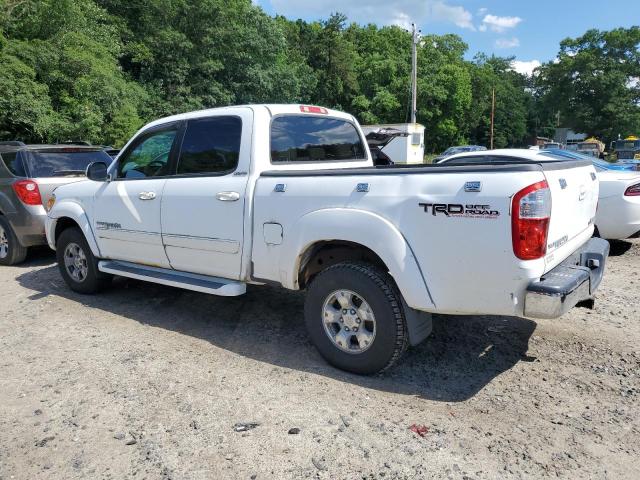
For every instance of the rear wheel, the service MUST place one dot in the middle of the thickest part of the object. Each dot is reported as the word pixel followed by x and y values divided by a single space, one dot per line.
pixel 11 251
pixel 78 266
pixel 354 317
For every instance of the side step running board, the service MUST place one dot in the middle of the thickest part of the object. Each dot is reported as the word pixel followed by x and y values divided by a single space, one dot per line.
pixel 173 278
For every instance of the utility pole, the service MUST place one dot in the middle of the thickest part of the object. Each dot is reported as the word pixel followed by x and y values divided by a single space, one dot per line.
pixel 415 39
pixel 493 112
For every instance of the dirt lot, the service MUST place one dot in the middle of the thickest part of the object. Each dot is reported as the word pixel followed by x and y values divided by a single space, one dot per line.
pixel 147 381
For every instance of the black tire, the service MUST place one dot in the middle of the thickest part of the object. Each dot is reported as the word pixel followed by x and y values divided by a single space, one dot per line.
pixel 94 280
pixel 378 290
pixel 15 253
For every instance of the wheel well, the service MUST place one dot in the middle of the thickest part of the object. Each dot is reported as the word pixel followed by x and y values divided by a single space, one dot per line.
pixel 322 255
pixel 62 224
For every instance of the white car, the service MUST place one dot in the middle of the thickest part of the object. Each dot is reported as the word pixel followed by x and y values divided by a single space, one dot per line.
pixel 618 215
pixel 288 195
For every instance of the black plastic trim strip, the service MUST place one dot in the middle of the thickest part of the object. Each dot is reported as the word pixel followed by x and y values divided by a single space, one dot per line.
pixel 508 166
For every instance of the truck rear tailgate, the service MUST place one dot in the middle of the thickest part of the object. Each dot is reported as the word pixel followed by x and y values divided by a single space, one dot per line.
pixel 574 198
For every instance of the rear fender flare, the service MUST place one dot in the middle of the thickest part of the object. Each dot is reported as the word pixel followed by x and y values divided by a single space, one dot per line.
pixel 360 227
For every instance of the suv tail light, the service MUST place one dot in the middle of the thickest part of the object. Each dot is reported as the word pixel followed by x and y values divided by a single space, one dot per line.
pixel 633 191
pixel 28 192
pixel 530 214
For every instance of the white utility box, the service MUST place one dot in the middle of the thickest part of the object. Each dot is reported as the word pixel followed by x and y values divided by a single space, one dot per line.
pixel 405 141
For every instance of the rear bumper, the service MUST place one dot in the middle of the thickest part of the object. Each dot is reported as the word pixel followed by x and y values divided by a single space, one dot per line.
pixel 573 281
pixel 28 225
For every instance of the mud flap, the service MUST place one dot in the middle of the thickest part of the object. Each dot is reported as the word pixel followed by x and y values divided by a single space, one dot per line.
pixel 419 324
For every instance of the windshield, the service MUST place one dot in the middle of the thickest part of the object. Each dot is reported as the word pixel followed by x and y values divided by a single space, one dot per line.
pixel 60 163
pixel 452 150
pixel 587 146
pixel 569 155
pixel 627 144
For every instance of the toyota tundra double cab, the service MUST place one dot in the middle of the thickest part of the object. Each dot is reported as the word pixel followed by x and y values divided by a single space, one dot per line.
pixel 288 195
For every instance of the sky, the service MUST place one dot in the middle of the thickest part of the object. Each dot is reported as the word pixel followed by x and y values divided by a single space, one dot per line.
pixel 528 30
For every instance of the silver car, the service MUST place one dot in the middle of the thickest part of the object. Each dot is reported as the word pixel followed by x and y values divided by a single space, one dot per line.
pixel 28 176
pixel 459 149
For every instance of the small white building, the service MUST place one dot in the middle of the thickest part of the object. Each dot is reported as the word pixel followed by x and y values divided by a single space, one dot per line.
pixel 401 142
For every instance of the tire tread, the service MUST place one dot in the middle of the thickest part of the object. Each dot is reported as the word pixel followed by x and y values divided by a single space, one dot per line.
pixel 383 281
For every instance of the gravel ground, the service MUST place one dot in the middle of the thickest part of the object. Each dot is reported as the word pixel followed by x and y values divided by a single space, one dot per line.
pixel 145 381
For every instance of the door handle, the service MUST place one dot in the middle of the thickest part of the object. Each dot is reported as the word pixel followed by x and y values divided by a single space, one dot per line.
pixel 228 196
pixel 147 195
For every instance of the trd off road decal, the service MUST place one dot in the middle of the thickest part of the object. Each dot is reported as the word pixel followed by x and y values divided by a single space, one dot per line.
pixel 460 210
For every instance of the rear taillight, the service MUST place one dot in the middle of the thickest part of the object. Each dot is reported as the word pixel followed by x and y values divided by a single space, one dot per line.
pixel 633 191
pixel 28 192
pixel 530 214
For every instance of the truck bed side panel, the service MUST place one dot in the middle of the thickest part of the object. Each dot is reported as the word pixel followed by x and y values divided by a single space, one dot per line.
pixel 461 239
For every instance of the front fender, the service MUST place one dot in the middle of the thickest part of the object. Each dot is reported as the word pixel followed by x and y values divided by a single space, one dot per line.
pixel 364 228
pixel 73 211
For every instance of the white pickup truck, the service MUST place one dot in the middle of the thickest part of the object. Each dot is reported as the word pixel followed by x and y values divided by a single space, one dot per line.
pixel 288 195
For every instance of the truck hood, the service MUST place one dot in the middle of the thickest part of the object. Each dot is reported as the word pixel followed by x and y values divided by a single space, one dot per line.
pixel 49 184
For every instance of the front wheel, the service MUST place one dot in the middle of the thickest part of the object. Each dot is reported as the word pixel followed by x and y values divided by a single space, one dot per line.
pixel 77 265
pixel 354 318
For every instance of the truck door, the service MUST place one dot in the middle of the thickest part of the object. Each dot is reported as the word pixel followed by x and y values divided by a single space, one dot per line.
pixel 127 209
pixel 203 204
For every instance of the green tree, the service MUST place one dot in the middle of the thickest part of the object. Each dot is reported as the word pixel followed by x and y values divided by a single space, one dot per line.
pixel 25 107
pixel 594 83
pixel 490 74
pixel 444 91
pixel 64 64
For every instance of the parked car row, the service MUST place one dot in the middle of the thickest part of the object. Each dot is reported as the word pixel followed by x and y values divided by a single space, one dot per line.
pixel 289 195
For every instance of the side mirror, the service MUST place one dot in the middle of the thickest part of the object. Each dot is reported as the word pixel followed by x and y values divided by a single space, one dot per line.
pixel 97 171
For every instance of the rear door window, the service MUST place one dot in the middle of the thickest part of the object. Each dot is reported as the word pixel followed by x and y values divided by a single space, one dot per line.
pixel 299 138
pixel 14 163
pixel 210 146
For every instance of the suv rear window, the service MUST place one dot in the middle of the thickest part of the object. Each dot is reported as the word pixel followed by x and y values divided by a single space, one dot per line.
pixel 14 164
pixel 63 163
pixel 299 138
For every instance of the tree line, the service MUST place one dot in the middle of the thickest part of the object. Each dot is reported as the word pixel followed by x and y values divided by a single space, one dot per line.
pixel 97 70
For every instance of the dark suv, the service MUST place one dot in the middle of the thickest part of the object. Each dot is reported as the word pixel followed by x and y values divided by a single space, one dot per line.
pixel 28 176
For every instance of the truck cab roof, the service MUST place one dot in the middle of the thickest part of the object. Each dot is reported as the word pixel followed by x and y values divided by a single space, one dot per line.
pixel 272 108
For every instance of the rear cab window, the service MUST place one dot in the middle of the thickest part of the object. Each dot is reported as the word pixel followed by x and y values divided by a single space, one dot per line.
pixel 314 139
pixel 62 162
